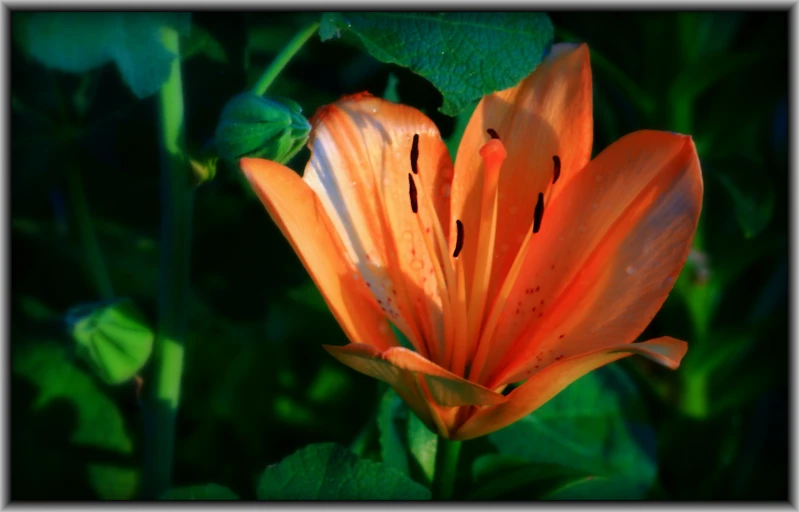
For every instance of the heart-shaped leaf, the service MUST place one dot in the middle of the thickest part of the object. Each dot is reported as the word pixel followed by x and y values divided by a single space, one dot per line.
pixel 79 41
pixel 465 55
pixel 595 427
pixel 331 472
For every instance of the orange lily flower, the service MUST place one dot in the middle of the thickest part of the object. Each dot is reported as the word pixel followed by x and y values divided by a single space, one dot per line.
pixel 526 262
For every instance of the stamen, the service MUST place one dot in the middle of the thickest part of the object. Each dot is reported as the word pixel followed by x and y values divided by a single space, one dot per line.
pixel 556 160
pixel 459 242
pixel 415 154
pixel 493 133
pixel 539 213
pixel 412 192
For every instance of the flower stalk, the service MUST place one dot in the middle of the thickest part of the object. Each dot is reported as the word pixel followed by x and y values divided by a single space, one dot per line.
pixel 283 58
pixel 176 204
pixel 446 467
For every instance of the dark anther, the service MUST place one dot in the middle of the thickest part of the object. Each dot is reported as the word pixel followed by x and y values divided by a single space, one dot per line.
pixel 493 133
pixel 459 242
pixel 556 159
pixel 415 154
pixel 412 192
pixel 539 213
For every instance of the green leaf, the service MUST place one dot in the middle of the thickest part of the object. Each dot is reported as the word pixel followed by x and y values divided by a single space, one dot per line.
pixel 392 444
pixel 331 472
pixel 328 28
pixel 207 492
pixel 708 70
pixel 422 444
pixel 79 41
pixel 465 55
pixel 100 426
pixel 201 42
pixel 114 338
pixel 595 427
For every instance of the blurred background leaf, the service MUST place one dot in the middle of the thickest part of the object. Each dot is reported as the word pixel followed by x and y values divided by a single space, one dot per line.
pixel 80 41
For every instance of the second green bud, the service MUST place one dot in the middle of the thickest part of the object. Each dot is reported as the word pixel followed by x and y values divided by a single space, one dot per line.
pixel 257 127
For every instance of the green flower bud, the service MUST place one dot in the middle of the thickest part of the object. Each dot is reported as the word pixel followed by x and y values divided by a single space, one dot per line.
pixel 254 126
pixel 113 338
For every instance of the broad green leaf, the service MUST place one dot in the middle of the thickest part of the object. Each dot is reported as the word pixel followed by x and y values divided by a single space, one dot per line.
pixel 114 338
pixel 207 492
pixel 422 444
pixel 595 427
pixel 79 41
pixel 465 55
pixel 392 444
pixel 331 472
pixel 99 424
pixel 328 27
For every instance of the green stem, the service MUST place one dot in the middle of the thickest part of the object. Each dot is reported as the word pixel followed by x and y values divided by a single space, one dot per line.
pixel 176 204
pixel 95 263
pixel 283 58
pixel 446 467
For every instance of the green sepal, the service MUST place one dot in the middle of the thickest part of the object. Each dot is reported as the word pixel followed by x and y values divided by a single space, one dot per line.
pixel 113 338
pixel 257 127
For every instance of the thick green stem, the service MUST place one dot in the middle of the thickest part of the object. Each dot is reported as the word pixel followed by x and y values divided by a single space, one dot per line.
pixel 283 58
pixel 95 264
pixel 176 205
pixel 446 468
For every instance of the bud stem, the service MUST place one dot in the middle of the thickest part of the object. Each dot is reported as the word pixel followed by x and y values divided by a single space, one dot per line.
pixel 163 388
pixel 283 58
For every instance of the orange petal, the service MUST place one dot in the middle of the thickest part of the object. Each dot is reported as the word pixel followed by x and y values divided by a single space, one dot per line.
pixel 547 383
pixel 610 248
pixel 361 159
pixel 391 366
pixel 302 220
pixel 547 114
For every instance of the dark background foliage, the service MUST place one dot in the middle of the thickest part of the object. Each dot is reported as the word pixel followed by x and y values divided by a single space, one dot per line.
pixel 257 384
